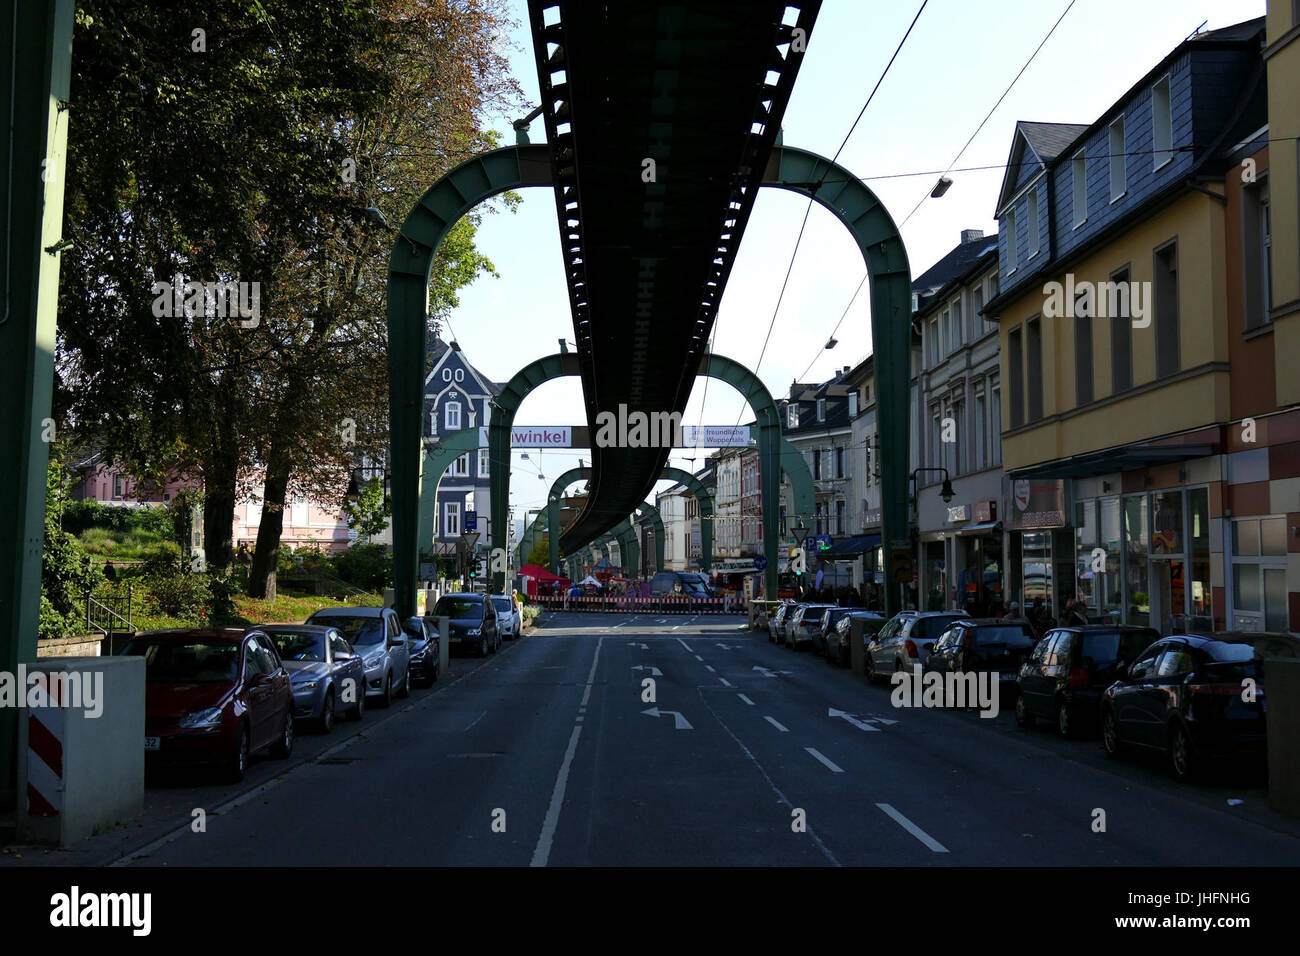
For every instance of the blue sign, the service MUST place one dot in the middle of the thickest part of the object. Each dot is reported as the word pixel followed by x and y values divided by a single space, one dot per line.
pixel 471 520
pixel 760 564
pixel 821 541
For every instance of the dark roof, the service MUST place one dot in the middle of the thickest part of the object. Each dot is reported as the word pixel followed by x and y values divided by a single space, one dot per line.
pixel 1049 140
pixel 955 264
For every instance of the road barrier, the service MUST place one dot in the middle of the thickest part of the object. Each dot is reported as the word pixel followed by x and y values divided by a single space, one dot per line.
pixel 633 604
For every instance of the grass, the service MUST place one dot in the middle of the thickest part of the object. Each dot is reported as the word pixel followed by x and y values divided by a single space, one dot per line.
pixel 291 608
pixel 111 545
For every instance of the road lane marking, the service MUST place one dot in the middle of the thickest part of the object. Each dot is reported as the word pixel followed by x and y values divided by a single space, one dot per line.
pixel 746 699
pixel 542 852
pixel 830 764
pixel 476 720
pixel 913 829
pixel 592 673
pixel 683 643
pixel 709 667
pixel 776 724
pixel 725 682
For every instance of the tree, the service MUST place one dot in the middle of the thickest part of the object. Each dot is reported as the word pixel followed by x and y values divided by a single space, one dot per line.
pixel 306 114
pixel 67 573
pixel 369 514
pixel 540 553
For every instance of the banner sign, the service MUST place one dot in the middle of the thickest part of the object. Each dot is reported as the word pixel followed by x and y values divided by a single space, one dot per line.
pixel 534 436
pixel 715 436
pixel 1037 503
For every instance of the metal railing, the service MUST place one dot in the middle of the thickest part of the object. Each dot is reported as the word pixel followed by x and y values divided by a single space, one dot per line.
pixel 111 614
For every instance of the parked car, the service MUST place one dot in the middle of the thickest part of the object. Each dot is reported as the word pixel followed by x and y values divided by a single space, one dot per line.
pixel 508 617
pixel 473 622
pixel 376 634
pixel 422 646
pixel 213 696
pixel 837 638
pixel 1070 668
pixel 776 622
pixel 978 645
pixel 1184 696
pixel 805 626
pixel 830 617
pixel 905 641
pixel 325 672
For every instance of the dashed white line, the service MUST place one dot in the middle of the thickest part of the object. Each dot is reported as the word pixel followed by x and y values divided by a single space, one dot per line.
pixel 746 699
pixel 698 657
pixel 725 682
pixel 683 643
pixel 830 764
pixel 709 667
pixel 775 723
pixel 913 829
pixel 542 852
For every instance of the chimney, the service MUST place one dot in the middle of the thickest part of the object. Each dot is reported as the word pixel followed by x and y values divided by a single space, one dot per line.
pixel 970 235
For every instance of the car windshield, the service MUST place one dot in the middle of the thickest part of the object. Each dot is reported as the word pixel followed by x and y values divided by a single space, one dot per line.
pixel 185 662
pixel 298 645
pixel 1225 653
pixel 458 607
pixel 932 626
pixel 358 631
pixel 414 627
pixel 1008 636
pixel 501 603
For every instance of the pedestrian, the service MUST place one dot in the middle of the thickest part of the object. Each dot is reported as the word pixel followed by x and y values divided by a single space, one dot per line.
pixel 1075 612
pixel 1013 614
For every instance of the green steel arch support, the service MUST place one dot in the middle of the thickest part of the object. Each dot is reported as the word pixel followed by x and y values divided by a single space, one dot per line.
pixel 882 249
pixel 409 268
pixel 436 462
pixel 656 519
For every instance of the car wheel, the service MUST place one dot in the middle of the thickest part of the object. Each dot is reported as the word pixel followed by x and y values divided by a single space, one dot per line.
pixel 359 710
pixel 1023 717
pixel 284 746
pixel 1064 726
pixel 482 647
pixel 327 713
pixel 871 669
pixel 1110 741
pixel 1182 754
pixel 238 765
pixel 386 698
pixel 405 690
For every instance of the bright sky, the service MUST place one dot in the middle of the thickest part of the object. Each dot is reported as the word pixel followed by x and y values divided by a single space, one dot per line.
pixel 959 59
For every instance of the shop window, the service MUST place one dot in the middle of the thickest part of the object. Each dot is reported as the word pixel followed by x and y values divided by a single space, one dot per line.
pixel 1036 568
pixel 1259 559
pixel 1167 523
pixel 1137 579
pixel 1201 592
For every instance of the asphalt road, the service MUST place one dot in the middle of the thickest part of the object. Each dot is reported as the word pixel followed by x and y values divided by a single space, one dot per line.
pixel 544 755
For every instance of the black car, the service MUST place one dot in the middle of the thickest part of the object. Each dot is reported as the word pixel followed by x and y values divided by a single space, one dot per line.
pixel 1186 695
pixel 838 649
pixel 473 622
pixel 422 640
pixel 1070 668
pixel 974 645
pixel 830 617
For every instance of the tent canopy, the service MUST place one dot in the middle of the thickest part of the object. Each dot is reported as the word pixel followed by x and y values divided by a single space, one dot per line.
pixel 590 580
pixel 539 573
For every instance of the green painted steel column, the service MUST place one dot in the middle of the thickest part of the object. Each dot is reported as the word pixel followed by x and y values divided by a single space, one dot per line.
pixel 36 65
pixel 553 531
pixel 409 268
pixel 656 519
pixel 891 320
pixel 437 460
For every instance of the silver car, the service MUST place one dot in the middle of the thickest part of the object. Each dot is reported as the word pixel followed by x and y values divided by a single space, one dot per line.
pixel 805 626
pixel 376 634
pixel 507 616
pixel 325 673
pixel 906 641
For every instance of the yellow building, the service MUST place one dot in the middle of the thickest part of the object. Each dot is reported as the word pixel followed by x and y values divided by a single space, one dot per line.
pixel 1151 439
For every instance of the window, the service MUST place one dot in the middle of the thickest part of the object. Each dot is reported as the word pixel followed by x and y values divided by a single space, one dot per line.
pixel 483 469
pixel 817 465
pixel 1137 589
pixel 821 409
pixel 936 437
pixel 1031 223
pixel 839 462
pixel 1257 256
pixel 958 324
pixel 460 467
pixel 958 446
pixel 995 418
pixel 1118 168
pixel 450 519
pixel 945 331
pixel 1082 358
pixel 932 343
pixel 1010 220
pixel 980 446
pixel 792 416
pixel 839 516
pixel 1079 185
pixel 853 403
pixel 1165 292
pixel 1162 124
pixel 452 416
pixel 1034 340
pixel 1016 369
pixel 118 486
pixel 1121 344
pixel 977 307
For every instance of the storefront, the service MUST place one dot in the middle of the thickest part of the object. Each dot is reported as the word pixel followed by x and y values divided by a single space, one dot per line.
pixel 1039 545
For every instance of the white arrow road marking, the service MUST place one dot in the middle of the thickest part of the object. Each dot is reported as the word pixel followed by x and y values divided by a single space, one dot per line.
pixel 726 647
pixel 768 673
pixel 644 647
pixel 784 730
pixel 680 722
pixel 913 829
pixel 654 671
pixel 746 699
pixel 830 765
pixel 851 719
pixel 662 621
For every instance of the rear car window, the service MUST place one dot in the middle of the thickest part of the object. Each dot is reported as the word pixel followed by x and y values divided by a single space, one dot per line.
pixel 932 626
pixel 1101 648
pixel 1010 636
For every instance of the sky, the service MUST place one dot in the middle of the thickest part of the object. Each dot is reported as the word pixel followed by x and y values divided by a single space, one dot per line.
pixel 960 58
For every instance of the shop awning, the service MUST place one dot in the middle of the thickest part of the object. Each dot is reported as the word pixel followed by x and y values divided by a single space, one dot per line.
pixel 1109 460
pixel 855 545
pixel 983 528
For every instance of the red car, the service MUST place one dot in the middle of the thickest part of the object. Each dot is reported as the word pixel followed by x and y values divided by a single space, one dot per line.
pixel 214 696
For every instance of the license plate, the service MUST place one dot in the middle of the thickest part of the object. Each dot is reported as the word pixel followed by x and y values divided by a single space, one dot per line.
pixel 1006 677
pixel 152 743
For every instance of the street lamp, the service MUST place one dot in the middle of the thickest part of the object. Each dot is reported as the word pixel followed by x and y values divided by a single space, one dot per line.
pixel 945 491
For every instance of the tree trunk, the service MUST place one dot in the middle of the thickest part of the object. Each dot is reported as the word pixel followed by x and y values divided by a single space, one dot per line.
pixel 261 578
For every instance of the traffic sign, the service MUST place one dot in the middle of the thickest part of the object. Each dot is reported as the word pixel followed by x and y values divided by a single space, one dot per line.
pixel 471 520
pixel 760 564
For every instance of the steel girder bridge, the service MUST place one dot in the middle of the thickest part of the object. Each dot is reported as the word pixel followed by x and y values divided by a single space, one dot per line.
pixel 694 96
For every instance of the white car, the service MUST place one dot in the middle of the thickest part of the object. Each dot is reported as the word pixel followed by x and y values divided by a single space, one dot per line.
pixel 507 616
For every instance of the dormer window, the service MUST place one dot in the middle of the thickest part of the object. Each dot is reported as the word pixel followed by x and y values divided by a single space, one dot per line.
pixel 792 416
pixel 821 409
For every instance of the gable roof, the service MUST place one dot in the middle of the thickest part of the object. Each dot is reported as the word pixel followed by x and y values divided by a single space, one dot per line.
pixel 957 263
pixel 442 353
pixel 1034 144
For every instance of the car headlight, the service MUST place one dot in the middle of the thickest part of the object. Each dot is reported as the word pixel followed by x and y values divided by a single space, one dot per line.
pixel 209 717
pixel 475 631
pixel 374 660
pixel 305 685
